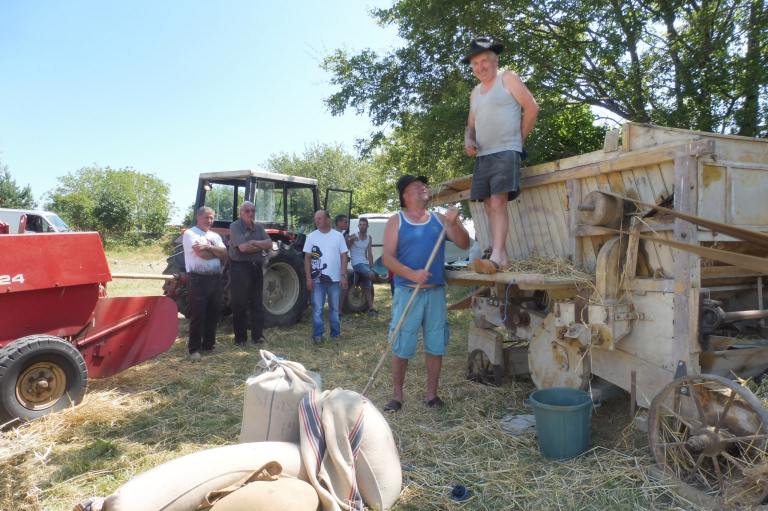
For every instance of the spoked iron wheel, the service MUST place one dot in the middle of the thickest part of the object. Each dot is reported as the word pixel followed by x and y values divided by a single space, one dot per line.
pixel 711 433
pixel 480 369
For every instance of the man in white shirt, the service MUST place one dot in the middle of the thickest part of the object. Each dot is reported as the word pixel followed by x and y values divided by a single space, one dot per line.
pixel 325 255
pixel 204 253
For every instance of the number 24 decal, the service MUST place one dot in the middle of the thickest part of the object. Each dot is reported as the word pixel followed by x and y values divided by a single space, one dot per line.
pixel 5 280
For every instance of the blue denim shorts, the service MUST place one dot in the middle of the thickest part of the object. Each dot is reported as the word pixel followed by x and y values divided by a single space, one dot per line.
pixel 362 269
pixel 428 312
pixel 496 173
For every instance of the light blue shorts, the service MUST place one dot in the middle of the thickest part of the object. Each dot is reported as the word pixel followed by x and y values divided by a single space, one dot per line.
pixel 428 312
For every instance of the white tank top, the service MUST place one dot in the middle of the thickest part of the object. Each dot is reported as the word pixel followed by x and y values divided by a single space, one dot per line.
pixel 497 119
pixel 358 252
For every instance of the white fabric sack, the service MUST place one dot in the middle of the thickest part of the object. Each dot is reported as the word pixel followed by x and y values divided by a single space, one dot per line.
pixel 379 473
pixel 272 395
pixel 183 483
pixel 284 494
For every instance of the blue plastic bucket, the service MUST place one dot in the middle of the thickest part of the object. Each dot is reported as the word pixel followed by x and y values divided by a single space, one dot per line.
pixel 562 421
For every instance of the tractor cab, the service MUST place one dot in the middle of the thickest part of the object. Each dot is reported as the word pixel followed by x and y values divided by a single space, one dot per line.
pixel 285 205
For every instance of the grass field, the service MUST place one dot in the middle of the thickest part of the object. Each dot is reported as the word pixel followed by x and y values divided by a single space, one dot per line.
pixel 170 406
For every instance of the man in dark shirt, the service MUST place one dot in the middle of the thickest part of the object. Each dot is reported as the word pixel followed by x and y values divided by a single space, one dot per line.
pixel 247 241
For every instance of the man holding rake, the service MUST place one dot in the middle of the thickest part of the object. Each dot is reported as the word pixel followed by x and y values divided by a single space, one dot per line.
pixel 413 249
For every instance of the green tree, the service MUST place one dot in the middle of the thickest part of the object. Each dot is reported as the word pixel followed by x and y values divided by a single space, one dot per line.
pixel 11 195
pixel 333 167
pixel 697 64
pixel 112 201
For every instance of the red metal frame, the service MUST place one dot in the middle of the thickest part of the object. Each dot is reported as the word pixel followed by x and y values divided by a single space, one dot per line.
pixel 54 283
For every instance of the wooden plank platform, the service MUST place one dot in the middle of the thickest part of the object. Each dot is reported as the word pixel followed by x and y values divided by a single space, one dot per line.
pixel 528 281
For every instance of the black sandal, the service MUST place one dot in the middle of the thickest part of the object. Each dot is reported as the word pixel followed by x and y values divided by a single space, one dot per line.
pixel 435 402
pixel 393 406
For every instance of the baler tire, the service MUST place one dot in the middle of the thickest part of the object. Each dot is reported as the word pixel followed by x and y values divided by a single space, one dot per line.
pixel 285 294
pixel 42 358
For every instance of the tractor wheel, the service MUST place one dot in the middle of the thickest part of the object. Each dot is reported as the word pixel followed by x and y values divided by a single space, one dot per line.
pixel 175 289
pixel 355 301
pixel 40 374
pixel 285 286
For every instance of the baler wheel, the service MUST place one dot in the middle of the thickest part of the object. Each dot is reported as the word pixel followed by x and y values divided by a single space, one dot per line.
pixel 40 374
pixel 712 434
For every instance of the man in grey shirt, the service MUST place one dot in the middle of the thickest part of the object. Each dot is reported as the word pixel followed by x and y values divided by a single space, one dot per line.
pixel 247 241
pixel 495 134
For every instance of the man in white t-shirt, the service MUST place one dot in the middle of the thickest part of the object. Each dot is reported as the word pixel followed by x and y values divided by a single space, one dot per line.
pixel 325 254
pixel 204 253
pixel 362 261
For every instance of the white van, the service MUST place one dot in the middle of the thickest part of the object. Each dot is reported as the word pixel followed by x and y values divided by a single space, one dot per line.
pixel 37 221
pixel 376 224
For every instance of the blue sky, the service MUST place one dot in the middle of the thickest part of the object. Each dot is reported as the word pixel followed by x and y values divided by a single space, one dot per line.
pixel 171 87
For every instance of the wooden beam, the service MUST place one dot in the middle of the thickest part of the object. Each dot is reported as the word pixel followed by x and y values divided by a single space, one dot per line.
pixel 623 162
pixel 757 238
pixel 528 281
pixel 687 265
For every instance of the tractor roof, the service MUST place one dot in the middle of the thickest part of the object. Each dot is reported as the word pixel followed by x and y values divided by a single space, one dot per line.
pixel 261 174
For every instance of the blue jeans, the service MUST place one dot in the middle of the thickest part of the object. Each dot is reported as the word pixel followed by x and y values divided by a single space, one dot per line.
pixel 333 290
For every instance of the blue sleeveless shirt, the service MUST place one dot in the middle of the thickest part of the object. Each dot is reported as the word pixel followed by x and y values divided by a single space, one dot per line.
pixel 414 246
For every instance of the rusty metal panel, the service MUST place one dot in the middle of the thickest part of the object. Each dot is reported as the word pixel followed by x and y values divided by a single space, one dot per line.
pixel 746 197
pixel 712 193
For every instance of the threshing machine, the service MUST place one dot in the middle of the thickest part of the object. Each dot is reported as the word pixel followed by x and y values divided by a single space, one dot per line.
pixel 670 226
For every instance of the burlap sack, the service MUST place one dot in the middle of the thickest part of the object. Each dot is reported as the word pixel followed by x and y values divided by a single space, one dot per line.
pixel 272 395
pixel 284 493
pixel 183 483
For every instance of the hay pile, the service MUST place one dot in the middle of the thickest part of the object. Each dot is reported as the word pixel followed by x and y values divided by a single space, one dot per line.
pixel 169 407
pixel 551 266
